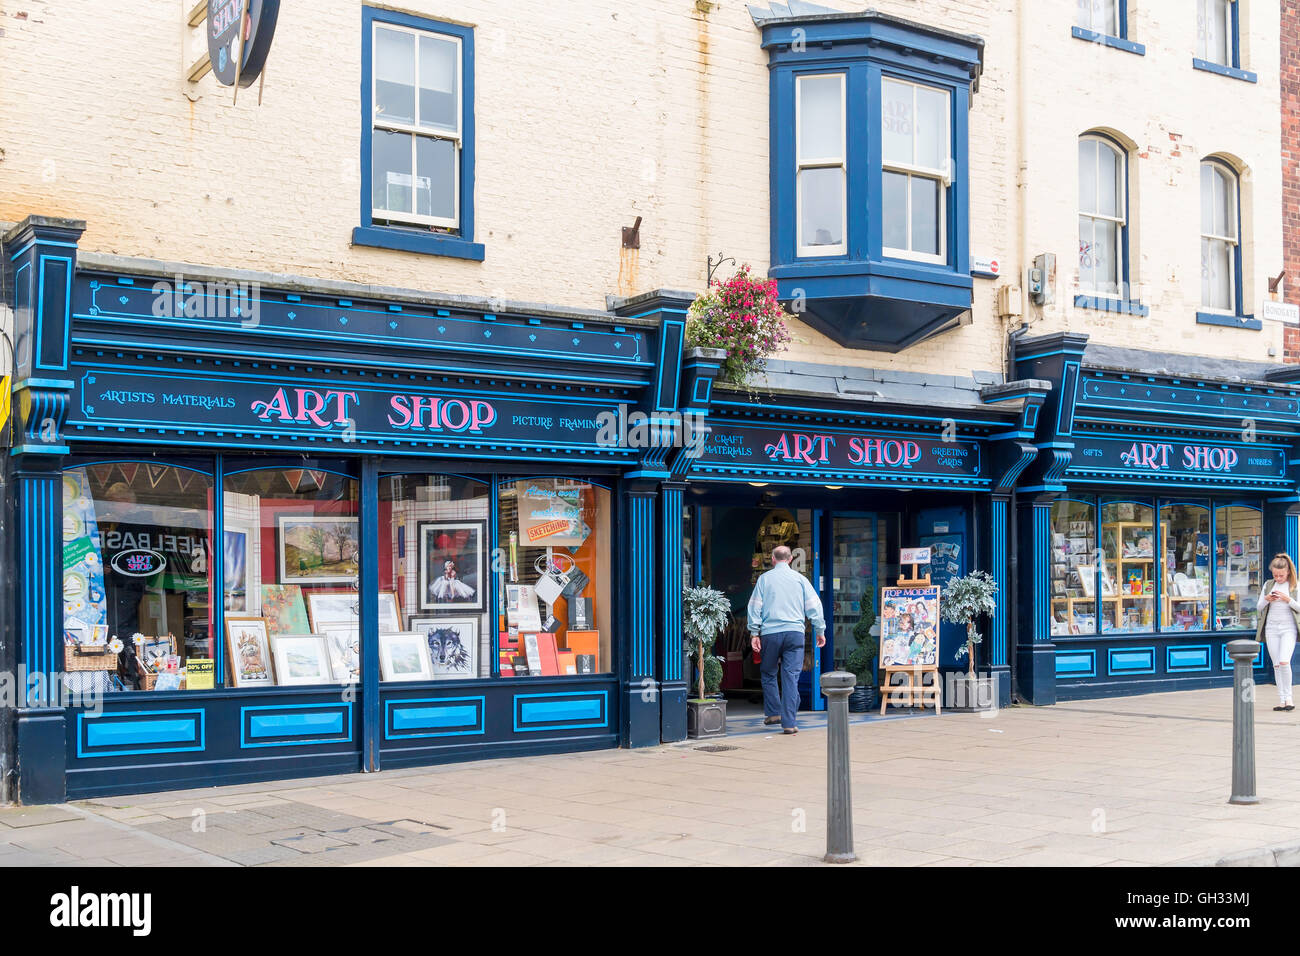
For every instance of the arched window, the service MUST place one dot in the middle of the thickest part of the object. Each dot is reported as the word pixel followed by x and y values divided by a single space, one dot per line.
pixel 1220 239
pixel 1103 207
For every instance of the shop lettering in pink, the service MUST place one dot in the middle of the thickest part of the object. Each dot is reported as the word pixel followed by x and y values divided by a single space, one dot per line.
pixel 306 405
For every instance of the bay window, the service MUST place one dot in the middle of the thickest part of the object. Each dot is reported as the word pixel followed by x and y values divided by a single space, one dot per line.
pixel 821 177
pixel 917 162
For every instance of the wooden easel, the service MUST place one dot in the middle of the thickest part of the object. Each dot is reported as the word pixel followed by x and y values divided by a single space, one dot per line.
pixel 912 692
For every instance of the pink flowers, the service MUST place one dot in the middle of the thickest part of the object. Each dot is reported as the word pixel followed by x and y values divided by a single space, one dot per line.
pixel 743 317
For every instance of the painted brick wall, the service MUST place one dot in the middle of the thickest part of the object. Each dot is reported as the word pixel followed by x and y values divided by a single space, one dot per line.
pixel 592 114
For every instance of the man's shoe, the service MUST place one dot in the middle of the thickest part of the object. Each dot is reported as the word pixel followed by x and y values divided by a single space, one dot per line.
pixel 771 720
pixel 1280 707
pixel 1289 707
pixel 790 730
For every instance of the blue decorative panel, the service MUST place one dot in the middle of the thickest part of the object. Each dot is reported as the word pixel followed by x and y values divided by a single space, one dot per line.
pixel 1076 663
pixel 1227 661
pixel 295 725
pixel 55 295
pixel 120 733
pixel 434 717
pixel 561 711
pixel 1193 658
pixel 1131 660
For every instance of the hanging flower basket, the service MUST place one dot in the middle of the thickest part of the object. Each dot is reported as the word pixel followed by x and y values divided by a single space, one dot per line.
pixel 741 316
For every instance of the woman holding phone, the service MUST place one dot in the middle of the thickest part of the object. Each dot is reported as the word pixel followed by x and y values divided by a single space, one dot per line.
pixel 1279 623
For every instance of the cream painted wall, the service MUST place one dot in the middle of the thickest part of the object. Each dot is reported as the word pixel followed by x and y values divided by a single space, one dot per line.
pixel 592 114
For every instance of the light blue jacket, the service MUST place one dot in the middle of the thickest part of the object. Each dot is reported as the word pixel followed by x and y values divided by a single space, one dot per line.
pixel 781 600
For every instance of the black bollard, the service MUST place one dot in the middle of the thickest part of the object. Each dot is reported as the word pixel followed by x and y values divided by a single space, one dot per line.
pixel 837 685
pixel 1243 654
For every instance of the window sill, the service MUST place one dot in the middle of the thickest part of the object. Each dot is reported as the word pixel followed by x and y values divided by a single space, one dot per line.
pixel 1103 304
pixel 1219 68
pixel 1229 321
pixel 424 243
pixel 1116 43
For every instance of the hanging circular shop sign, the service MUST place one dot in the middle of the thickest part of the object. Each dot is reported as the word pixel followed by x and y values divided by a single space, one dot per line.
pixel 138 563
pixel 224 20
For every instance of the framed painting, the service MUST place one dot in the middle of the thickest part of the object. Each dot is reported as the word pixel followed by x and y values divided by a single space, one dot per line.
pixel 404 657
pixel 301 659
pixel 318 549
pixel 331 607
pixel 452 642
pixel 243 596
pixel 284 610
pixel 248 651
pixel 453 564
pixel 343 642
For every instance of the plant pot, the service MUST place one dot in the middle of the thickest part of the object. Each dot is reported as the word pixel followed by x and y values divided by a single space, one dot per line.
pixel 706 718
pixel 961 692
pixel 858 700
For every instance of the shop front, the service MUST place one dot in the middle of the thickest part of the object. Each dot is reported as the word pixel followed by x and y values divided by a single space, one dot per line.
pixel 302 530
pixel 1167 485
pixel 846 483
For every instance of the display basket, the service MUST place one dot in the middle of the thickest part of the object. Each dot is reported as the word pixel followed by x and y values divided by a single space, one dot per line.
pixel 76 658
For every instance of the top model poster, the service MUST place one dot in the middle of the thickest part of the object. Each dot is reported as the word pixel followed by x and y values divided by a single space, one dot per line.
pixel 909 627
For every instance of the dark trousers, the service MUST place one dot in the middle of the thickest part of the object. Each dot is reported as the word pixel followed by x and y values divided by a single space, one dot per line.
pixel 782 659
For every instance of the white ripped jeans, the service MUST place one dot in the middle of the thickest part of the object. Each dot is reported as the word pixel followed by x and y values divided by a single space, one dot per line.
pixel 1280 648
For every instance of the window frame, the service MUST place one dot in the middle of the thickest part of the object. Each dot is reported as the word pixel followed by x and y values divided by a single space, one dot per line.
pixel 943 177
pixel 1230 175
pixel 415 130
pixel 1091 25
pixel 1122 220
pixel 1232 55
pixel 410 234
pixel 803 251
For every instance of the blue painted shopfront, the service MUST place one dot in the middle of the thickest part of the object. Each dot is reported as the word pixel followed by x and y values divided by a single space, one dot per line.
pixel 1149 519
pixel 846 484
pixel 421 435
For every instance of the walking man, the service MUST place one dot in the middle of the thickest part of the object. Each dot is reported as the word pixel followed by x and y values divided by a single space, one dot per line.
pixel 781 600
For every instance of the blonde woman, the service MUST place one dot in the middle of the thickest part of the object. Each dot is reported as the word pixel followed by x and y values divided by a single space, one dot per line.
pixel 1279 623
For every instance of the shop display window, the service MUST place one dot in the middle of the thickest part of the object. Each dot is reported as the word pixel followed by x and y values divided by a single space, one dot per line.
pixel 137 574
pixel 553 609
pixel 291 565
pixel 1201 563
pixel 435 578
pixel 1185 566
pixel 1128 581
pixel 1237 565
pixel 1073 567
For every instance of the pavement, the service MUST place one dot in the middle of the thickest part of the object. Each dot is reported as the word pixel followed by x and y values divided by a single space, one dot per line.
pixel 1117 782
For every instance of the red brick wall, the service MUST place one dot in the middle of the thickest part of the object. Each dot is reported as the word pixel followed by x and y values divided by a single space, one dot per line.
pixel 1291 167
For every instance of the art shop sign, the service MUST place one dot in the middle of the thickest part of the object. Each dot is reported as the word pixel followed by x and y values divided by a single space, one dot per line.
pixel 1252 460
pixel 258 406
pixel 225 18
pixel 742 446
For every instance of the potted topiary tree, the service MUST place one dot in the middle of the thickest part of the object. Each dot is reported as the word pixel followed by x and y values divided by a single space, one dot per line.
pixel 963 601
pixel 705 612
pixel 862 660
